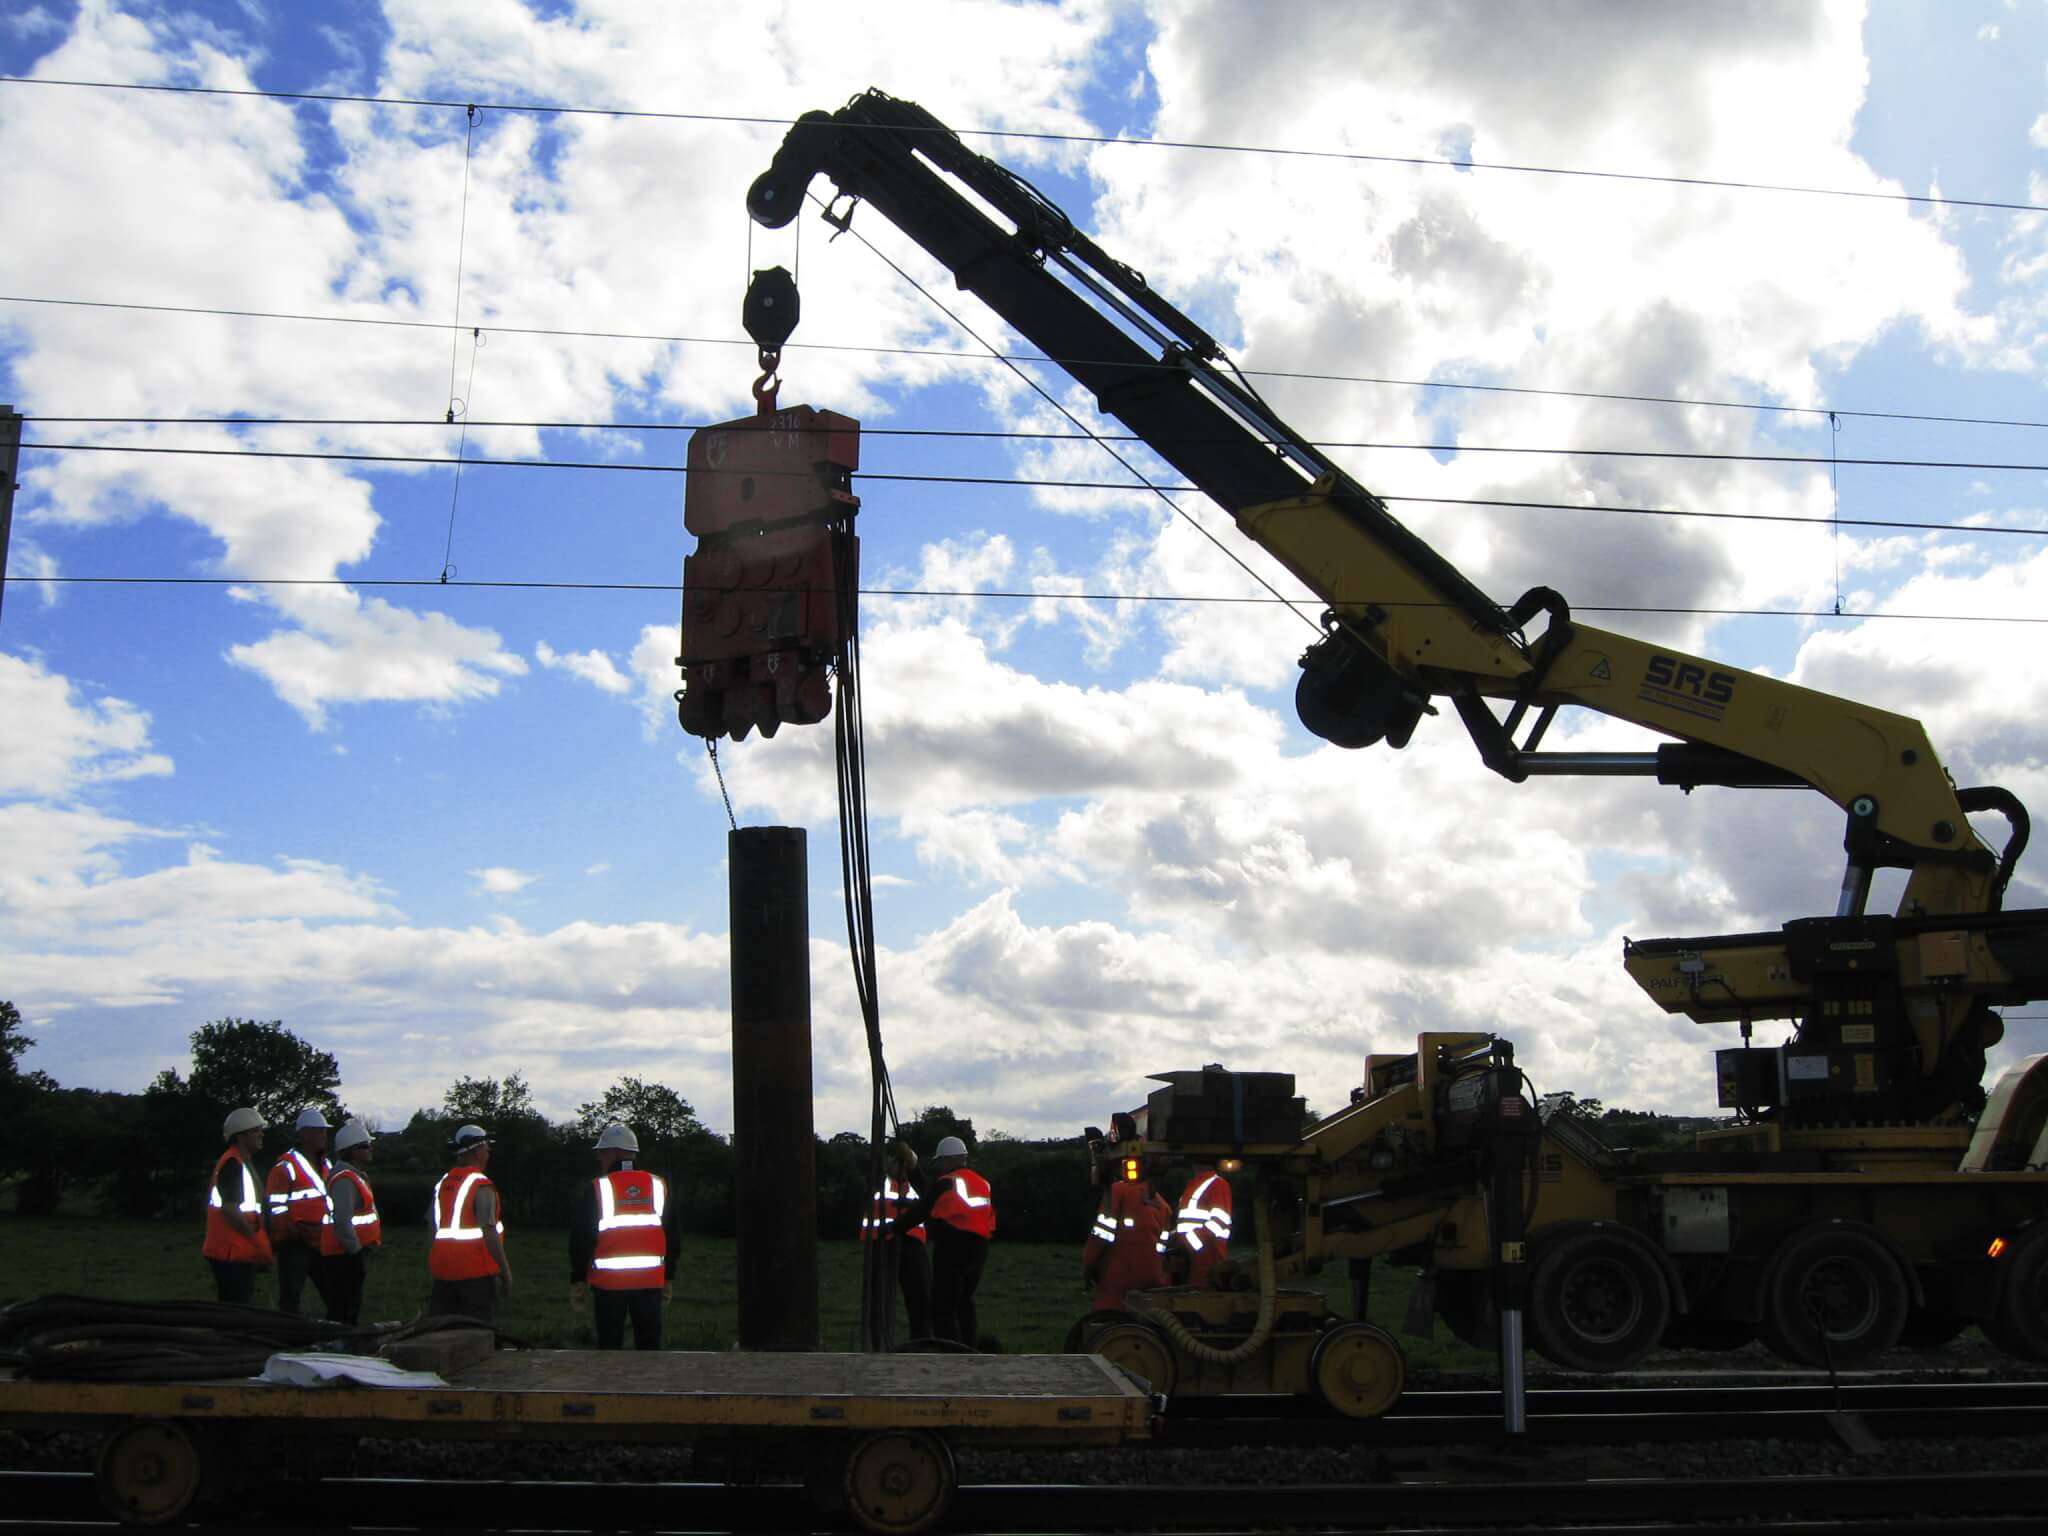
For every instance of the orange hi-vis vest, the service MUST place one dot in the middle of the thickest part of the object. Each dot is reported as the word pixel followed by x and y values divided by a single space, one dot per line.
pixel 881 1216
pixel 458 1251
pixel 1129 1235
pixel 632 1248
pixel 966 1203
pixel 223 1241
pixel 1203 1225
pixel 298 1194
pixel 368 1224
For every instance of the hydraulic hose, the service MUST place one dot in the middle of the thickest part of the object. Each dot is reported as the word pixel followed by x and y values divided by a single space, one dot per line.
pixel 83 1338
pixel 1262 1328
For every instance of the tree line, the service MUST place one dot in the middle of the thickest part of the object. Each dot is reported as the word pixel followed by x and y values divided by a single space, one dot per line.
pixel 147 1155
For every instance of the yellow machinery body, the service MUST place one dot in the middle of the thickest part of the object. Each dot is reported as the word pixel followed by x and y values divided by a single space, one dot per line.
pixel 1896 1234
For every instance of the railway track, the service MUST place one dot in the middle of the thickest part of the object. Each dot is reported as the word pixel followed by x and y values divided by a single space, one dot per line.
pixel 1473 1477
pixel 1632 1415
pixel 1996 1504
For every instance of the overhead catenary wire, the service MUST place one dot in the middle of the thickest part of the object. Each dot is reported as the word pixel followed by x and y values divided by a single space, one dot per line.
pixel 461 456
pixel 455 345
pixel 1981 466
pixel 1143 481
pixel 672 589
pixel 1968 530
pixel 1965 530
pixel 1835 493
pixel 871 349
pixel 1353 156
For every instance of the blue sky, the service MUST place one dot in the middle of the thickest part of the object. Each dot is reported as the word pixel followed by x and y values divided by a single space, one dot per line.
pixel 447 830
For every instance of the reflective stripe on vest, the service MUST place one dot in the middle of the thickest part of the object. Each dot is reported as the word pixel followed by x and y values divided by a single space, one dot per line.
pixel 966 1204
pixel 882 1212
pixel 1195 1218
pixel 632 1248
pixel 303 1193
pixel 458 1251
pixel 222 1241
pixel 367 1224
pixel 249 1205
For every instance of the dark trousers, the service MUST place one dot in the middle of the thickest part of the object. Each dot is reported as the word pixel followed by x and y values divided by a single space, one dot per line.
pixel 958 1259
pixel 465 1298
pixel 914 1279
pixel 610 1309
pixel 233 1282
pixel 296 1264
pixel 344 1274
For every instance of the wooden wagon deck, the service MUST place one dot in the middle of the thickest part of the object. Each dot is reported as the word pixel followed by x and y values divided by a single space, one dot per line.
pixel 656 1396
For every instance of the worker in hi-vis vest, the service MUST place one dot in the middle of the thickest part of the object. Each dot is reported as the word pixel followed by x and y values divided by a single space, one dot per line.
pixel 884 1224
pixel 959 1212
pixel 353 1229
pixel 237 1243
pixel 1124 1251
pixel 467 1257
pixel 1201 1234
pixel 298 1204
pixel 623 1244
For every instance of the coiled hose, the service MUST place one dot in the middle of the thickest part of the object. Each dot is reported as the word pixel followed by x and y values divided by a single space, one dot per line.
pixel 84 1338
pixel 1262 1329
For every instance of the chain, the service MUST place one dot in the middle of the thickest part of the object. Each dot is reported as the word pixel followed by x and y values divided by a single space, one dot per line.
pixel 712 747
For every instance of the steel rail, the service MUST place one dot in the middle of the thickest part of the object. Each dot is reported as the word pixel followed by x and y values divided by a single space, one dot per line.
pixel 1999 1501
pixel 1626 1415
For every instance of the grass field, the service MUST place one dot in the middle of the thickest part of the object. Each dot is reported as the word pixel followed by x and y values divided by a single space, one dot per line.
pixel 1029 1296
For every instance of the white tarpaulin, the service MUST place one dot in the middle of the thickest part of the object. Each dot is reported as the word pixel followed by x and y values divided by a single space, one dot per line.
pixel 316 1368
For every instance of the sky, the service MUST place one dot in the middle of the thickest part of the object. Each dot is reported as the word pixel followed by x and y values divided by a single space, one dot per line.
pixel 283 770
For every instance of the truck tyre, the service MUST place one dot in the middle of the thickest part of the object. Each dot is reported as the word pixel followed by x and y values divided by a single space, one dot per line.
pixel 1598 1300
pixel 1835 1297
pixel 2019 1324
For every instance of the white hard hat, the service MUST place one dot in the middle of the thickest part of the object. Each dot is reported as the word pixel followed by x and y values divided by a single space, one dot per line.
pixel 310 1119
pixel 353 1133
pixel 951 1146
pixel 618 1135
pixel 467 1136
pixel 240 1120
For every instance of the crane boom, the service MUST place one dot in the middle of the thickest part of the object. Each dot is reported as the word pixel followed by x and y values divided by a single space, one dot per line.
pixel 1404 626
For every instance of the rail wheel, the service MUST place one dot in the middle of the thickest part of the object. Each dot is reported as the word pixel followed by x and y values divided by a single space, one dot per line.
pixel 1598 1300
pixel 1140 1349
pixel 2019 1325
pixel 900 1483
pixel 149 1473
pixel 1358 1370
pixel 1835 1296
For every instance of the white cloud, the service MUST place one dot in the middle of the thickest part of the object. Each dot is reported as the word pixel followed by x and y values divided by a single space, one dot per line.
pixel 36 21
pixel 351 649
pixel 57 742
pixel 500 881
pixel 593 666
pixel 1147 869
